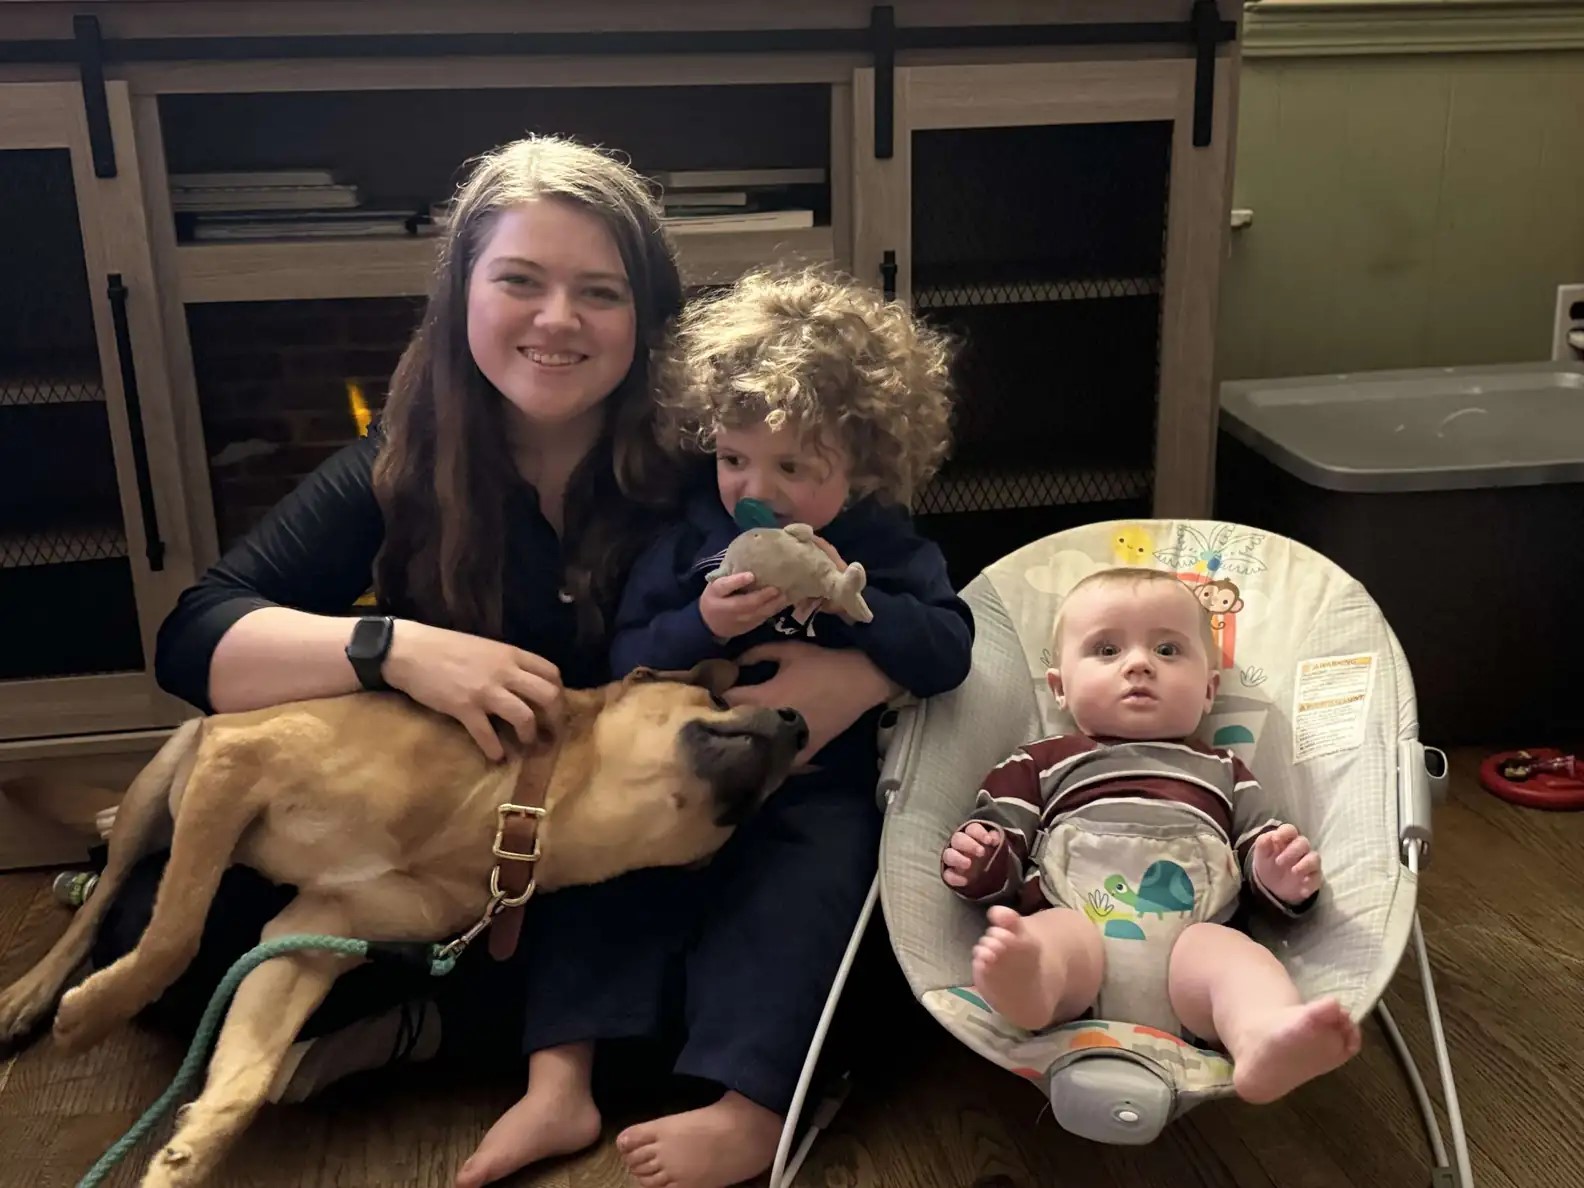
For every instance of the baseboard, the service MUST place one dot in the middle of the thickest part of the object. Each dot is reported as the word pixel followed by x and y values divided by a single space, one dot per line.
pixel 28 841
pixel 60 785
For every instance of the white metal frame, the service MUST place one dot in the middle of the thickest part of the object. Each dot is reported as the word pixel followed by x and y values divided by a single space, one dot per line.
pixel 1456 1174
pixel 787 1162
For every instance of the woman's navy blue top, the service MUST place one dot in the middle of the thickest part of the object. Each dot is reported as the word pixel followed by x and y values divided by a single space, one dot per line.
pixel 314 551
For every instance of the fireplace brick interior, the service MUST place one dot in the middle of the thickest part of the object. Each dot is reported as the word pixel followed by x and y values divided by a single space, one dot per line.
pixel 273 382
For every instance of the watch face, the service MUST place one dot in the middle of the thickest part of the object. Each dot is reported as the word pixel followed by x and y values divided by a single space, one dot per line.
pixel 368 638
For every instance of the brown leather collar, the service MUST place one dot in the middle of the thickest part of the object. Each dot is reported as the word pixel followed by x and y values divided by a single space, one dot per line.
pixel 516 849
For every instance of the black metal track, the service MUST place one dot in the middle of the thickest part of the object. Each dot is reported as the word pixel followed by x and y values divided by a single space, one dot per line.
pixel 881 40
pixel 708 41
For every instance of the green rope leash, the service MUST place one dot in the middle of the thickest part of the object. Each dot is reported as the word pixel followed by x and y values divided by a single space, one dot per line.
pixel 441 960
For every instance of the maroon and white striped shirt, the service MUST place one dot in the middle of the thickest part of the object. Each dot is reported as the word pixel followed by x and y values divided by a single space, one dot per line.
pixel 1041 782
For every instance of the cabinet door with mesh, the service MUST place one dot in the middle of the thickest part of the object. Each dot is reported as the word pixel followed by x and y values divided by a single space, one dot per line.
pixel 1046 214
pixel 73 634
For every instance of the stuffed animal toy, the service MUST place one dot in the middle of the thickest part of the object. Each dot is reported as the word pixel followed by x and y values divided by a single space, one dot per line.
pixel 788 559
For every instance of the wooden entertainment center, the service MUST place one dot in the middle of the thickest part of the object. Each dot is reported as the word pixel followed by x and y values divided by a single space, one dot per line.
pixel 1049 178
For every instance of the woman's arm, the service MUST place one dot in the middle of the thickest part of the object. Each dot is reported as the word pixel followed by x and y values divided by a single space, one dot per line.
pixel 832 688
pixel 276 654
pixel 269 621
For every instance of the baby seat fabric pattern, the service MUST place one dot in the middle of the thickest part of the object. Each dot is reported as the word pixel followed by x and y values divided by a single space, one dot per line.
pixel 1315 697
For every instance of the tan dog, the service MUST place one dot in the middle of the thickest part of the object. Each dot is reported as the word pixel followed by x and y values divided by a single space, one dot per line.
pixel 384 815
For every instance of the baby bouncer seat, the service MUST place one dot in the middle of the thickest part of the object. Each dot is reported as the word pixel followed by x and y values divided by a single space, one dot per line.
pixel 1315 697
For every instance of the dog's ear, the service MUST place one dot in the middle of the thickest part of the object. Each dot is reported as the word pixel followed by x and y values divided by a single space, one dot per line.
pixel 715 675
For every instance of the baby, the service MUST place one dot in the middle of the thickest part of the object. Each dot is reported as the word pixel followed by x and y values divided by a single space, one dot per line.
pixel 1126 846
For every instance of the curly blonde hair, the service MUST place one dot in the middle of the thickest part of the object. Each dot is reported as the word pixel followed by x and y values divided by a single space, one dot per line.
pixel 810 348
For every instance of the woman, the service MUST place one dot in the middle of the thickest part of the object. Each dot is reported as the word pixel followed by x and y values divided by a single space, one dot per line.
pixel 494 511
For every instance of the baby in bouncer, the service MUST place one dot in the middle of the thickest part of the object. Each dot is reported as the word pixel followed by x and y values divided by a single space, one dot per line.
pixel 1117 856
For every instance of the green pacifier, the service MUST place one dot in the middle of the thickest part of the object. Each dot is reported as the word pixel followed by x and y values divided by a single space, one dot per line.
pixel 754 513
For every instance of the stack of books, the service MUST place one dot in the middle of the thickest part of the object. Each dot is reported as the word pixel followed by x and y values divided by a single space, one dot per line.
pixel 698 200
pixel 280 204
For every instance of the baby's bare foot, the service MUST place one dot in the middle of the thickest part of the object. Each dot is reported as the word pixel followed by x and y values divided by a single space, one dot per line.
pixel 1294 1045
pixel 725 1143
pixel 1012 974
pixel 544 1123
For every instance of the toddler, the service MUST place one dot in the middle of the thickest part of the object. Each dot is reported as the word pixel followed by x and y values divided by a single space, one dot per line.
pixel 827 406
pixel 1126 847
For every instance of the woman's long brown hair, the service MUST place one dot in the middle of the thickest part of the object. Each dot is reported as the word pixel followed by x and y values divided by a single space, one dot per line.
pixel 444 473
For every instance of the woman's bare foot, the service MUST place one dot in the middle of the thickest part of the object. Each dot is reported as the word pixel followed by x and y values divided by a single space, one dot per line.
pixel 1294 1045
pixel 725 1143
pixel 557 1116
pixel 1012 974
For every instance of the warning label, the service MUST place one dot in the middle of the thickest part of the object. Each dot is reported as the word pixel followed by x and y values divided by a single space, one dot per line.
pixel 1331 704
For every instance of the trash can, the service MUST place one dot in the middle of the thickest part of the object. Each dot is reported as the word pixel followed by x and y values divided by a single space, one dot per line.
pixel 1456 496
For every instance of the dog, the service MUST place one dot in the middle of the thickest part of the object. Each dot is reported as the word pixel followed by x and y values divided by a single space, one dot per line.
pixel 393 826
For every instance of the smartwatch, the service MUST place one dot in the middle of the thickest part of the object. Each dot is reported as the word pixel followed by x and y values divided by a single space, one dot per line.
pixel 370 643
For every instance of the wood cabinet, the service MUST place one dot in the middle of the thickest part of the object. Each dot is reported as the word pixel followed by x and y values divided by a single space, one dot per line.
pixel 93 540
pixel 1049 181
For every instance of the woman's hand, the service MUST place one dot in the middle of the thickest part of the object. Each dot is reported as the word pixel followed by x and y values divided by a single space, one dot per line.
pixel 831 688
pixel 470 678
pixel 731 606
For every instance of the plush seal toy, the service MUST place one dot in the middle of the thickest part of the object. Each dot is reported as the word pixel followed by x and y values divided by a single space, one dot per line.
pixel 788 559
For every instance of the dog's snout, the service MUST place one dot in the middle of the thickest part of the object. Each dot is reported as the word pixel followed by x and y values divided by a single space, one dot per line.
pixel 795 719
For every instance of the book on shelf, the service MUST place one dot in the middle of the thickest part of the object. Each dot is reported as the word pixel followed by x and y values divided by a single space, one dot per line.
pixel 754 220
pixel 734 179
pixel 240 230
pixel 247 179
pixel 724 200
pixel 238 198
pixel 360 222
pixel 705 198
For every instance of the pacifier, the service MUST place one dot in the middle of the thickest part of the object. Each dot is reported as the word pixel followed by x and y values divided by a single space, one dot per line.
pixel 754 513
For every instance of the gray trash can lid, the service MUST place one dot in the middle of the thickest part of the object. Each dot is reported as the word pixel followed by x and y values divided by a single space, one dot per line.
pixel 1422 430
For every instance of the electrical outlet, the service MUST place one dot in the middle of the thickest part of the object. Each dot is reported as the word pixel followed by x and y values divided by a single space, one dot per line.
pixel 1567 341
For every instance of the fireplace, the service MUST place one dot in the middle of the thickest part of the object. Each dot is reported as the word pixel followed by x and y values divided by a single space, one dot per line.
pixel 281 385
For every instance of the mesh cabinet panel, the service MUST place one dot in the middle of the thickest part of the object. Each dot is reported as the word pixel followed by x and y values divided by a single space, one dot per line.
pixel 1042 250
pixel 65 580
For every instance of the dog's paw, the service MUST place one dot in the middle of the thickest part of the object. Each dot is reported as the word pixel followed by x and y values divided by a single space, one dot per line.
pixel 80 1021
pixel 24 1011
pixel 172 1167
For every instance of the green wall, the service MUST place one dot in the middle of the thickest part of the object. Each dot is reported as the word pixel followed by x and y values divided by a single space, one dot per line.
pixel 1409 210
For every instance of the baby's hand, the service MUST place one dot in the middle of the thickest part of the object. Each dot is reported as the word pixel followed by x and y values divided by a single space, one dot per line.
pixel 731 606
pixel 1285 865
pixel 965 854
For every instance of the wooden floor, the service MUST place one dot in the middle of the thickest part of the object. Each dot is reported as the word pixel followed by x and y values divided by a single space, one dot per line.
pixel 1503 911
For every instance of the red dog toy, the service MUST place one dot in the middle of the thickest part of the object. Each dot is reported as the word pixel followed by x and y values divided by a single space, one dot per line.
pixel 1542 778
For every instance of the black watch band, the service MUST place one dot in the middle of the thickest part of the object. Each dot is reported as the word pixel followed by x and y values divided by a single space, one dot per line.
pixel 368 647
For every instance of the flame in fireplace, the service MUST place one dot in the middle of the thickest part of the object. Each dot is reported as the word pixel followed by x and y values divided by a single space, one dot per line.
pixel 359 407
